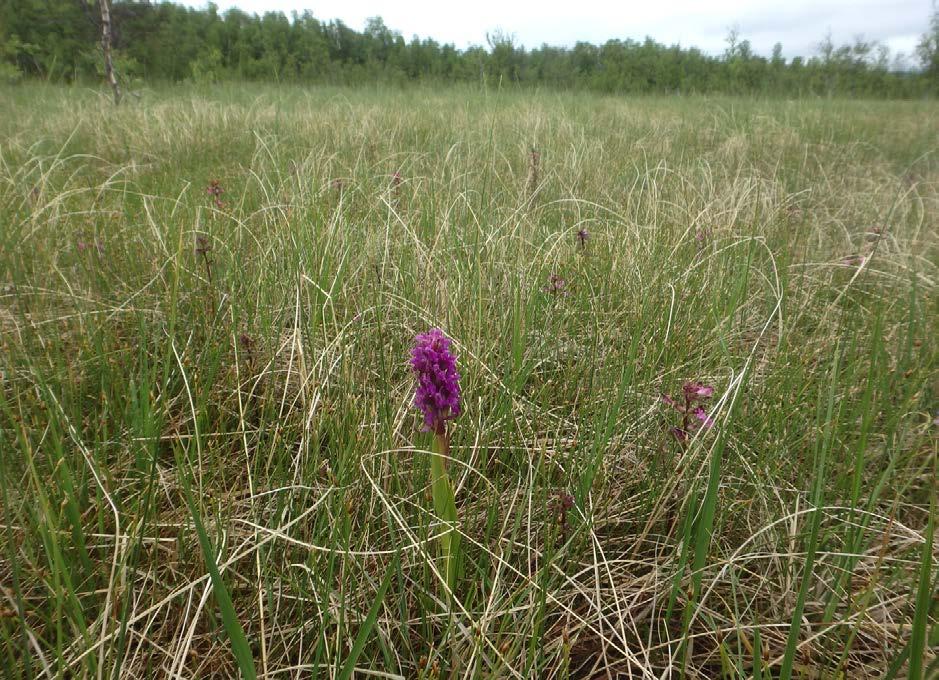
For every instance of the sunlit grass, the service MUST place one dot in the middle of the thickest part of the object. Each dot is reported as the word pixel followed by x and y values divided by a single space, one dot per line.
pixel 207 420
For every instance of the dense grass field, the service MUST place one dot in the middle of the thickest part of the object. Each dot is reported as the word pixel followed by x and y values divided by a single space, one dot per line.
pixel 211 459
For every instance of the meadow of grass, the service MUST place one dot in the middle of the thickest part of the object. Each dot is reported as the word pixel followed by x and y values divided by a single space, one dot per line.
pixel 211 462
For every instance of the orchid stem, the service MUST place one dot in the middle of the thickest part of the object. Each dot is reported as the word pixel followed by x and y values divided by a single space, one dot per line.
pixel 445 508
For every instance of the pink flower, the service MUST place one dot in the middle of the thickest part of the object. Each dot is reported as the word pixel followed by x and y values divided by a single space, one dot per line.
pixel 202 245
pixel 697 390
pixel 693 415
pixel 701 414
pixel 215 191
pixel 556 285
pixel 85 245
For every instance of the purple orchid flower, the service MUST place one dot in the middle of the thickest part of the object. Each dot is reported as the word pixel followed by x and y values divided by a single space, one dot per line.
pixel 693 415
pixel 556 285
pixel 85 245
pixel 697 390
pixel 438 383
pixel 701 414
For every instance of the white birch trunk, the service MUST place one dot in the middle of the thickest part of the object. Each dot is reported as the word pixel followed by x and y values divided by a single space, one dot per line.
pixel 106 46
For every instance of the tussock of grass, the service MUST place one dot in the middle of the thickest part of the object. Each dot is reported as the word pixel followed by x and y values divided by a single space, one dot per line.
pixel 240 372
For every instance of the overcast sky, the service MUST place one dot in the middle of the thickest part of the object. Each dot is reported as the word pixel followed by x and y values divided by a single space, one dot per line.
pixel 798 24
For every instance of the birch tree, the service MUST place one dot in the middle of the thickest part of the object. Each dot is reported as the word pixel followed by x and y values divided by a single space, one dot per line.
pixel 106 48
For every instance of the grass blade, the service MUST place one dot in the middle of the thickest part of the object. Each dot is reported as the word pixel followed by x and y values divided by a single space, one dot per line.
pixel 366 628
pixel 923 596
pixel 236 634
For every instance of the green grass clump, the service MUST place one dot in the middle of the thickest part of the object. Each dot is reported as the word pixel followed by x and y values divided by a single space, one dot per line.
pixel 206 409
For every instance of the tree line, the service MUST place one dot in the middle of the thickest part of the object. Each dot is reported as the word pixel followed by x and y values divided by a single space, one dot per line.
pixel 58 40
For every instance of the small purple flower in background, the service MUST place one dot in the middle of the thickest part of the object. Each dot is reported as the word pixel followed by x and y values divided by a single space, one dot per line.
pixel 86 245
pixel 582 236
pixel 556 285
pixel 853 260
pixel 562 504
pixel 559 508
pixel 700 236
pixel 438 383
pixel 702 415
pixel 215 191
pixel 202 245
pixel 697 390
pixel 396 181
pixel 693 415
